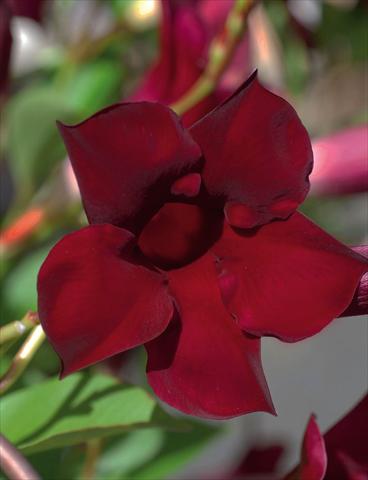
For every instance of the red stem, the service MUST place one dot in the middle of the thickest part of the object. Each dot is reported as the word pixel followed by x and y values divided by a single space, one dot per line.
pixel 13 464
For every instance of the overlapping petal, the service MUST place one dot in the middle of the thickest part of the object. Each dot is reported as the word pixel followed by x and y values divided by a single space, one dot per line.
pixel 125 159
pixel 288 279
pixel 257 155
pixel 202 364
pixel 96 297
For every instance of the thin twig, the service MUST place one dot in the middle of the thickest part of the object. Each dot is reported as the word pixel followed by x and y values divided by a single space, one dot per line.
pixel 16 329
pixel 93 451
pixel 22 358
pixel 13 464
pixel 220 54
pixel 92 47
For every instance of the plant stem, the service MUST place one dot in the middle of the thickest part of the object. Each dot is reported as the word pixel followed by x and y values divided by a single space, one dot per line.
pixel 220 54
pixel 13 464
pixel 16 329
pixel 93 450
pixel 89 48
pixel 22 358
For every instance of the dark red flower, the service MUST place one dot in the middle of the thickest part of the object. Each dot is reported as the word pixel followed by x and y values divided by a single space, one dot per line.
pixel 359 303
pixel 341 162
pixel 258 461
pixel 26 8
pixel 5 46
pixel 187 28
pixel 195 249
pixel 313 462
pixel 341 453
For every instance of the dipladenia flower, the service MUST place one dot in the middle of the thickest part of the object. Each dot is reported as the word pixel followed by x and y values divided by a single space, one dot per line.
pixel 340 454
pixel 186 31
pixel 195 249
pixel 341 163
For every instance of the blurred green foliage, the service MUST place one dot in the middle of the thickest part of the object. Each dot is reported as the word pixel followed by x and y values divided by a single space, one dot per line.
pixel 83 406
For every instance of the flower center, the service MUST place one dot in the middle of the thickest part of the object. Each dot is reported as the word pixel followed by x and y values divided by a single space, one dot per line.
pixel 179 233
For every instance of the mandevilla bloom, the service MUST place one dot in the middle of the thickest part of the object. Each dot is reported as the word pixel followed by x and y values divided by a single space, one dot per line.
pixel 340 454
pixel 341 163
pixel 195 249
pixel 187 29
pixel 359 303
pixel 258 461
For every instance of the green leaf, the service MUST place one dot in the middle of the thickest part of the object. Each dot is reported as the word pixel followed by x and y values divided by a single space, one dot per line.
pixel 93 86
pixel 153 453
pixel 119 7
pixel 177 450
pixel 130 452
pixel 61 464
pixel 33 142
pixel 58 413
pixel 18 292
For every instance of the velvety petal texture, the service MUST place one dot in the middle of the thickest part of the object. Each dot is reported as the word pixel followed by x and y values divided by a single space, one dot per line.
pixel 203 364
pixel 287 279
pixel 97 298
pixel 125 159
pixel 257 155
pixel 195 249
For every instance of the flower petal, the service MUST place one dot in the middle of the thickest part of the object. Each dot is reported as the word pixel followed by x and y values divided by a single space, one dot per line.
pixel 348 439
pixel 353 471
pixel 313 456
pixel 182 47
pixel 125 158
pixel 257 154
pixel 340 163
pixel 288 279
pixel 258 460
pixel 202 364
pixel 29 8
pixel 186 31
pixel 96 299
pixel 359 303
pixel 5 47
pixel 344 448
